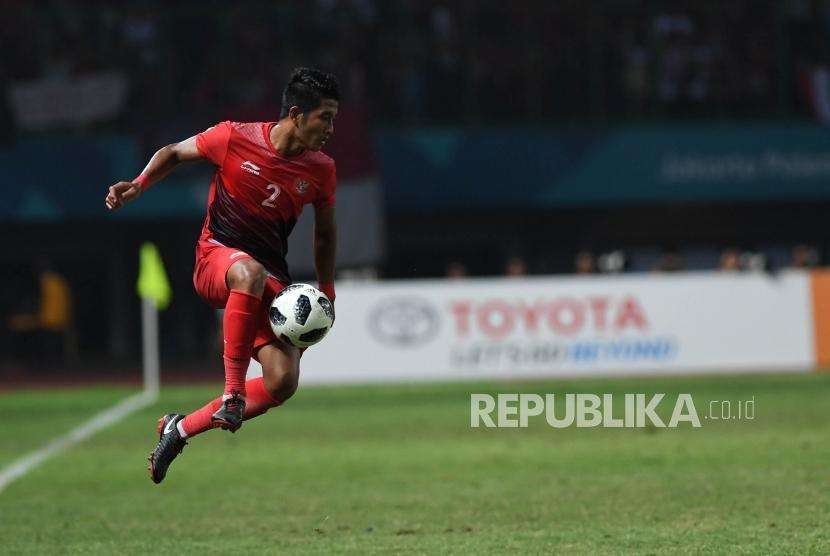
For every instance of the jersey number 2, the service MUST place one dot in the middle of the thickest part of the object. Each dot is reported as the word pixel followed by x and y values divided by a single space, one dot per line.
pixel 269 202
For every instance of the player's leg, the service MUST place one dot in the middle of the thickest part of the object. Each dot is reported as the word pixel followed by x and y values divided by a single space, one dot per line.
pixel 280 374
pixel 280 364
pixel 245 279
pixel 280 360
pixel 280 370
pixel 240 274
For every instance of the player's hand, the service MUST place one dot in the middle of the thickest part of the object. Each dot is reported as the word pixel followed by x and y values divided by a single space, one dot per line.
pixel 122 193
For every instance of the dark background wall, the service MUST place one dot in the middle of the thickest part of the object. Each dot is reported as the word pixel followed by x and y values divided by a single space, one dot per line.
pixel 489 130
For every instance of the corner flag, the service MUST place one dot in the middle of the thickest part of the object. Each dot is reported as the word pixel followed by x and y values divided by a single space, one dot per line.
pixel 152 279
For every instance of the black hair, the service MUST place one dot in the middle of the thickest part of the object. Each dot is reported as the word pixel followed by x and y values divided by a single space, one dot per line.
pixel 307 87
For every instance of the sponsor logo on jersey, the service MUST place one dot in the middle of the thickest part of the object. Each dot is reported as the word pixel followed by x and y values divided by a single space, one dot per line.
pixel 250 167
pixel 302 186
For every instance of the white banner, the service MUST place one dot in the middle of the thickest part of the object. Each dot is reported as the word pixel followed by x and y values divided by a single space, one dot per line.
pixel 550 327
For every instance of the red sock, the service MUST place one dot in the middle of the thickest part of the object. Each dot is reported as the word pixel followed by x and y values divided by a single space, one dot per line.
pixel 239 328
pixel 257 402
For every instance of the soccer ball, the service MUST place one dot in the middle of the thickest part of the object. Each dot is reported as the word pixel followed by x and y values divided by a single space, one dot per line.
pixel 301 315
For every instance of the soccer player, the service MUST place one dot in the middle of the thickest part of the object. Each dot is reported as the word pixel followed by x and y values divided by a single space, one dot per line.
pixel 265 173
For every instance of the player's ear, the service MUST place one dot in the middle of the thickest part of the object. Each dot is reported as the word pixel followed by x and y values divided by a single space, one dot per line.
pixel 295 114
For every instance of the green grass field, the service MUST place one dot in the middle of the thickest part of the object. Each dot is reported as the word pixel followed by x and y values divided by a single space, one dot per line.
pixel 396 469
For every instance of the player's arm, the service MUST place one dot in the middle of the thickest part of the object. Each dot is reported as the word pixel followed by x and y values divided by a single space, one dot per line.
pixel 161 164
pixel 325 248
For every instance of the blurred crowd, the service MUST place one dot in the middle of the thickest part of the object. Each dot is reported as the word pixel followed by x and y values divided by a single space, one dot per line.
pixel 670 259
pixel 426 61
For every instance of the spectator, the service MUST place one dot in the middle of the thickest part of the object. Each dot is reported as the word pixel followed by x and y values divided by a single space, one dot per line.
pixel 670 261
pixel 612 262
pixel 515 267
pixel 585 262
pixel 730 260
pixel 456 270
pixel 804 256
pixel 53 317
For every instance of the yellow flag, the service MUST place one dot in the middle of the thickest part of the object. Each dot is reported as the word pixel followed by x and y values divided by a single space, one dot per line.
pixel 152 279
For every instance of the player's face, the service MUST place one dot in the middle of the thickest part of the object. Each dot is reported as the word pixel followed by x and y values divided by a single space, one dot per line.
pixel 317 126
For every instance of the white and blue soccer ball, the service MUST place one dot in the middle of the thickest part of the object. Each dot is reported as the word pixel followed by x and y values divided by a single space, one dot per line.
pixel 301 315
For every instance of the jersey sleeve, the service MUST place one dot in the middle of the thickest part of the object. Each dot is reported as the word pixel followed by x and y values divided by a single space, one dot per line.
pixel 326 197
pixel 213 142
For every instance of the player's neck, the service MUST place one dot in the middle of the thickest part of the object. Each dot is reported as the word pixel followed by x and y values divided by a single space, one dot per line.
pixel 284 141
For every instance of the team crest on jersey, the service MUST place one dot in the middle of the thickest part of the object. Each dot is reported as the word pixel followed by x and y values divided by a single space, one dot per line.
pixel 302 186
pixel 250 167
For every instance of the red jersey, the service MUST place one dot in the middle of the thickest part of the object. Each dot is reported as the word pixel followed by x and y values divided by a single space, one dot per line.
pixel 257 194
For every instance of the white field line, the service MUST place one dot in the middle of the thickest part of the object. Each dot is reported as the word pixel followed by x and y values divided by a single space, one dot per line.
pixel 104 419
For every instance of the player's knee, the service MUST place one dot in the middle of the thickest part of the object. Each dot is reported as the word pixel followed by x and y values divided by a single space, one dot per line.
pixel 283 386
pixel 247 275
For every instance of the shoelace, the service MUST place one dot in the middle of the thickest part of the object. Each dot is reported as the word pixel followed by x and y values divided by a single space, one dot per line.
pixel 234 403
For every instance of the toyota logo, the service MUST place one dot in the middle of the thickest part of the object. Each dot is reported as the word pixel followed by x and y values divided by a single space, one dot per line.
pixel 404 322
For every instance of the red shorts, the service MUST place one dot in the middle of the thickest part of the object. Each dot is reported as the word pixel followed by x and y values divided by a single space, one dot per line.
pixel 212 263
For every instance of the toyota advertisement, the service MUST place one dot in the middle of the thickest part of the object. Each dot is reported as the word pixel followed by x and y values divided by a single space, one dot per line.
pixel 546 327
